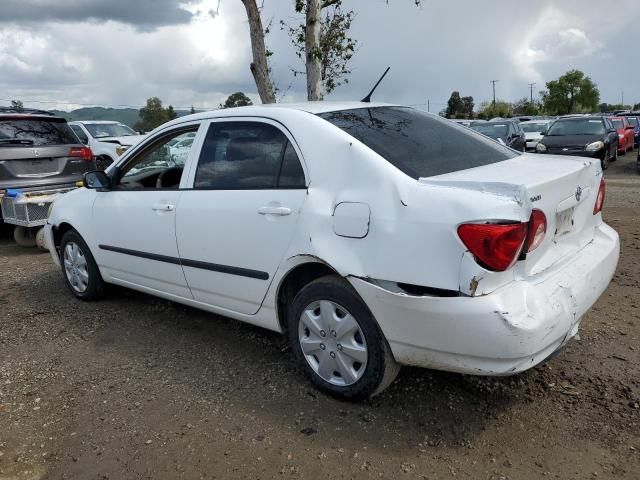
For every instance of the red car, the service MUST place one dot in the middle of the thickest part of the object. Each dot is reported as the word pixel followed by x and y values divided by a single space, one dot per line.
pixel 625 134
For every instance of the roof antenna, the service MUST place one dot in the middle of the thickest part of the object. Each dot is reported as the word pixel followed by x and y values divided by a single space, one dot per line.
pixel 367 99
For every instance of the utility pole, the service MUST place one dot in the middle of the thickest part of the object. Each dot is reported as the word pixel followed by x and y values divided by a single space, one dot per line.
pixel 531 85
pixel 622 103
pixel 428 104
pixel 494 91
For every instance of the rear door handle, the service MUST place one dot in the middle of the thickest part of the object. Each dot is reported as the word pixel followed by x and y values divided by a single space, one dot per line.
pixel 163 207
pixel 274 211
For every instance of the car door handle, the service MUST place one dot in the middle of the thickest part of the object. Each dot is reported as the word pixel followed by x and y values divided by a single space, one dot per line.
pixel 163 207
pixel 268 210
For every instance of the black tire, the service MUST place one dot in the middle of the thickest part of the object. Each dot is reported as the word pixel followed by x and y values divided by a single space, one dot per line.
pixel 95 286
pixel 381 368
pixel 605 161
pixel 24 237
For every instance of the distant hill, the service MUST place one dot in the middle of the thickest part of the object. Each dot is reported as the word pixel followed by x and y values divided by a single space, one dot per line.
pixel 128 116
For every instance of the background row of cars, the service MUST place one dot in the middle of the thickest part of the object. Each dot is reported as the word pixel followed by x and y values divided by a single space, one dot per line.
pixel 598 136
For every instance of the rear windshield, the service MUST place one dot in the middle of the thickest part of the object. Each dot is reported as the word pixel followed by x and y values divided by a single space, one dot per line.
pixel 576 127
pixel 617 122
pixel 38 132
pixel 493 130
pixel 418 144
pixel 633 121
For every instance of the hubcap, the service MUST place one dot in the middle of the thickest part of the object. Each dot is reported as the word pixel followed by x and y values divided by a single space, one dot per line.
pixel 332 342
pixel 75 267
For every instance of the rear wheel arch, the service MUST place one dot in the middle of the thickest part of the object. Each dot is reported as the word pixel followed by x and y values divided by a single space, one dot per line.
pixel 294 281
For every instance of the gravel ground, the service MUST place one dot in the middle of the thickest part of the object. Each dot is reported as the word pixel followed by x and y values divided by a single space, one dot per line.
pixel 136 387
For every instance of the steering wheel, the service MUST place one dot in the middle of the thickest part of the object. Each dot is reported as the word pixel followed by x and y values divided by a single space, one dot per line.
pixel 169 178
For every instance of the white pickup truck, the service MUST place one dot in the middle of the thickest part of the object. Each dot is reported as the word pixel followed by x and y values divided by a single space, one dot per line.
pixel 107 139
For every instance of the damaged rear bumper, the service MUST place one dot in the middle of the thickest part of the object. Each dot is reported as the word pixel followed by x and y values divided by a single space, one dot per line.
pixel 508 331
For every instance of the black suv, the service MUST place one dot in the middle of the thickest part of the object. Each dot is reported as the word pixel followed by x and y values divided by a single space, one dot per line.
pixel 584 136
pixel 508 132
pixel 39 151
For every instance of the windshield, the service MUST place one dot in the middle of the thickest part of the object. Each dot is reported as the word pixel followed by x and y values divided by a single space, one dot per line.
pixel 534 127
pixel 37 132
pixel 633 121
pixel 418 144
pixel 576 127
pixel 618 123
pixel 493 130
pixel 100 130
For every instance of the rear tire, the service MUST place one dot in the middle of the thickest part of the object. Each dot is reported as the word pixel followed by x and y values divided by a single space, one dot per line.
pixel 24 237
pixel 345 353
pixel 79 269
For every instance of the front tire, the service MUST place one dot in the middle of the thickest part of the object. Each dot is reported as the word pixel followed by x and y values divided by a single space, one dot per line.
pixel 606 159
pixel 337 341
pixel 79 269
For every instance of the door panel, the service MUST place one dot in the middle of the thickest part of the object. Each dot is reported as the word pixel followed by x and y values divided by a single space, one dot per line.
pixel 238 248
pixel 235 226
pixel 135 220
pixel 136 238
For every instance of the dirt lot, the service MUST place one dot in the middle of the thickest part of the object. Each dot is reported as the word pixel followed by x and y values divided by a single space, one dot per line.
pixel 135 387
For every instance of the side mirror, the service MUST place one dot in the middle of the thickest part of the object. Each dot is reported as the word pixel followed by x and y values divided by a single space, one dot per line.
pixel 96 179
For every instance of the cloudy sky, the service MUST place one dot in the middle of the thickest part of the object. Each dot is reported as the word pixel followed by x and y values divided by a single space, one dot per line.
pixel 190 52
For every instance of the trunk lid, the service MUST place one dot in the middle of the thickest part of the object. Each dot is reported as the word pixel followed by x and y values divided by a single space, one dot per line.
pixel 564 188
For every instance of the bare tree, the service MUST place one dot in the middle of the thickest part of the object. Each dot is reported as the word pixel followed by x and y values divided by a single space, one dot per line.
pixel 259 65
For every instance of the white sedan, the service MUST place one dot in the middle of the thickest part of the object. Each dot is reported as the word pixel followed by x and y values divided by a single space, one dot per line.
pixel 373 235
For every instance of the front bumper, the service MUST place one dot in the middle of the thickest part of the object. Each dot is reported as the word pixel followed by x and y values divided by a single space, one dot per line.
pixel 508 331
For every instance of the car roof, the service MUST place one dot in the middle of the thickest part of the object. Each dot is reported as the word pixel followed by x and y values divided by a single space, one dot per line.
pixel 582 117
pixel 542 120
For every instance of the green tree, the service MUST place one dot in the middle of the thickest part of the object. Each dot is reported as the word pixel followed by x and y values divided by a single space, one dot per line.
pixel 525 107
pixel 17 105
pixel 237 99
pixel 570 93
pixel 501 109
pixel 153 115
pixel 454 104
pixel 467 106
pixel 636 106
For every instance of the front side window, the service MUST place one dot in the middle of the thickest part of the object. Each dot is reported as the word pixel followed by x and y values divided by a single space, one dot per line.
pixel 157 166
pixel 247 155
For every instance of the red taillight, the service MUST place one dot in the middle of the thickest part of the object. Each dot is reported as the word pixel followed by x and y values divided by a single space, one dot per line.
pixel 597 208
pixel 82 152
pixel 496 247
pixel 537 230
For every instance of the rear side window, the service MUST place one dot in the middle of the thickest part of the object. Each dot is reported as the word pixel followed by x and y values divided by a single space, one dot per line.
pixel 247 155
pixel 418 144
pixel 37 132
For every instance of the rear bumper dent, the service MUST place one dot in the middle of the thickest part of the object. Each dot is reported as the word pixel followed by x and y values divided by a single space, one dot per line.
pixel 508 331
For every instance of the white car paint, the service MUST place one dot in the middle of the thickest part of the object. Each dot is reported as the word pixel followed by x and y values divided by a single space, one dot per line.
pixel 534 137
pixel 376 227
pixel 111 147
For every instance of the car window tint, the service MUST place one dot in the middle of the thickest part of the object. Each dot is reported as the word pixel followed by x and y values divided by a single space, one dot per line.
pixel 38 132
pixel 158 166
pixel 617 123
pixel 418 144
pixel 80 133
pixel 291 174
pixel 240 155
pixel 633 121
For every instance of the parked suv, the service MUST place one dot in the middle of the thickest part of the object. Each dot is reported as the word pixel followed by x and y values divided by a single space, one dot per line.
pixel 39 157
pixel 584 136
pixel 107 139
